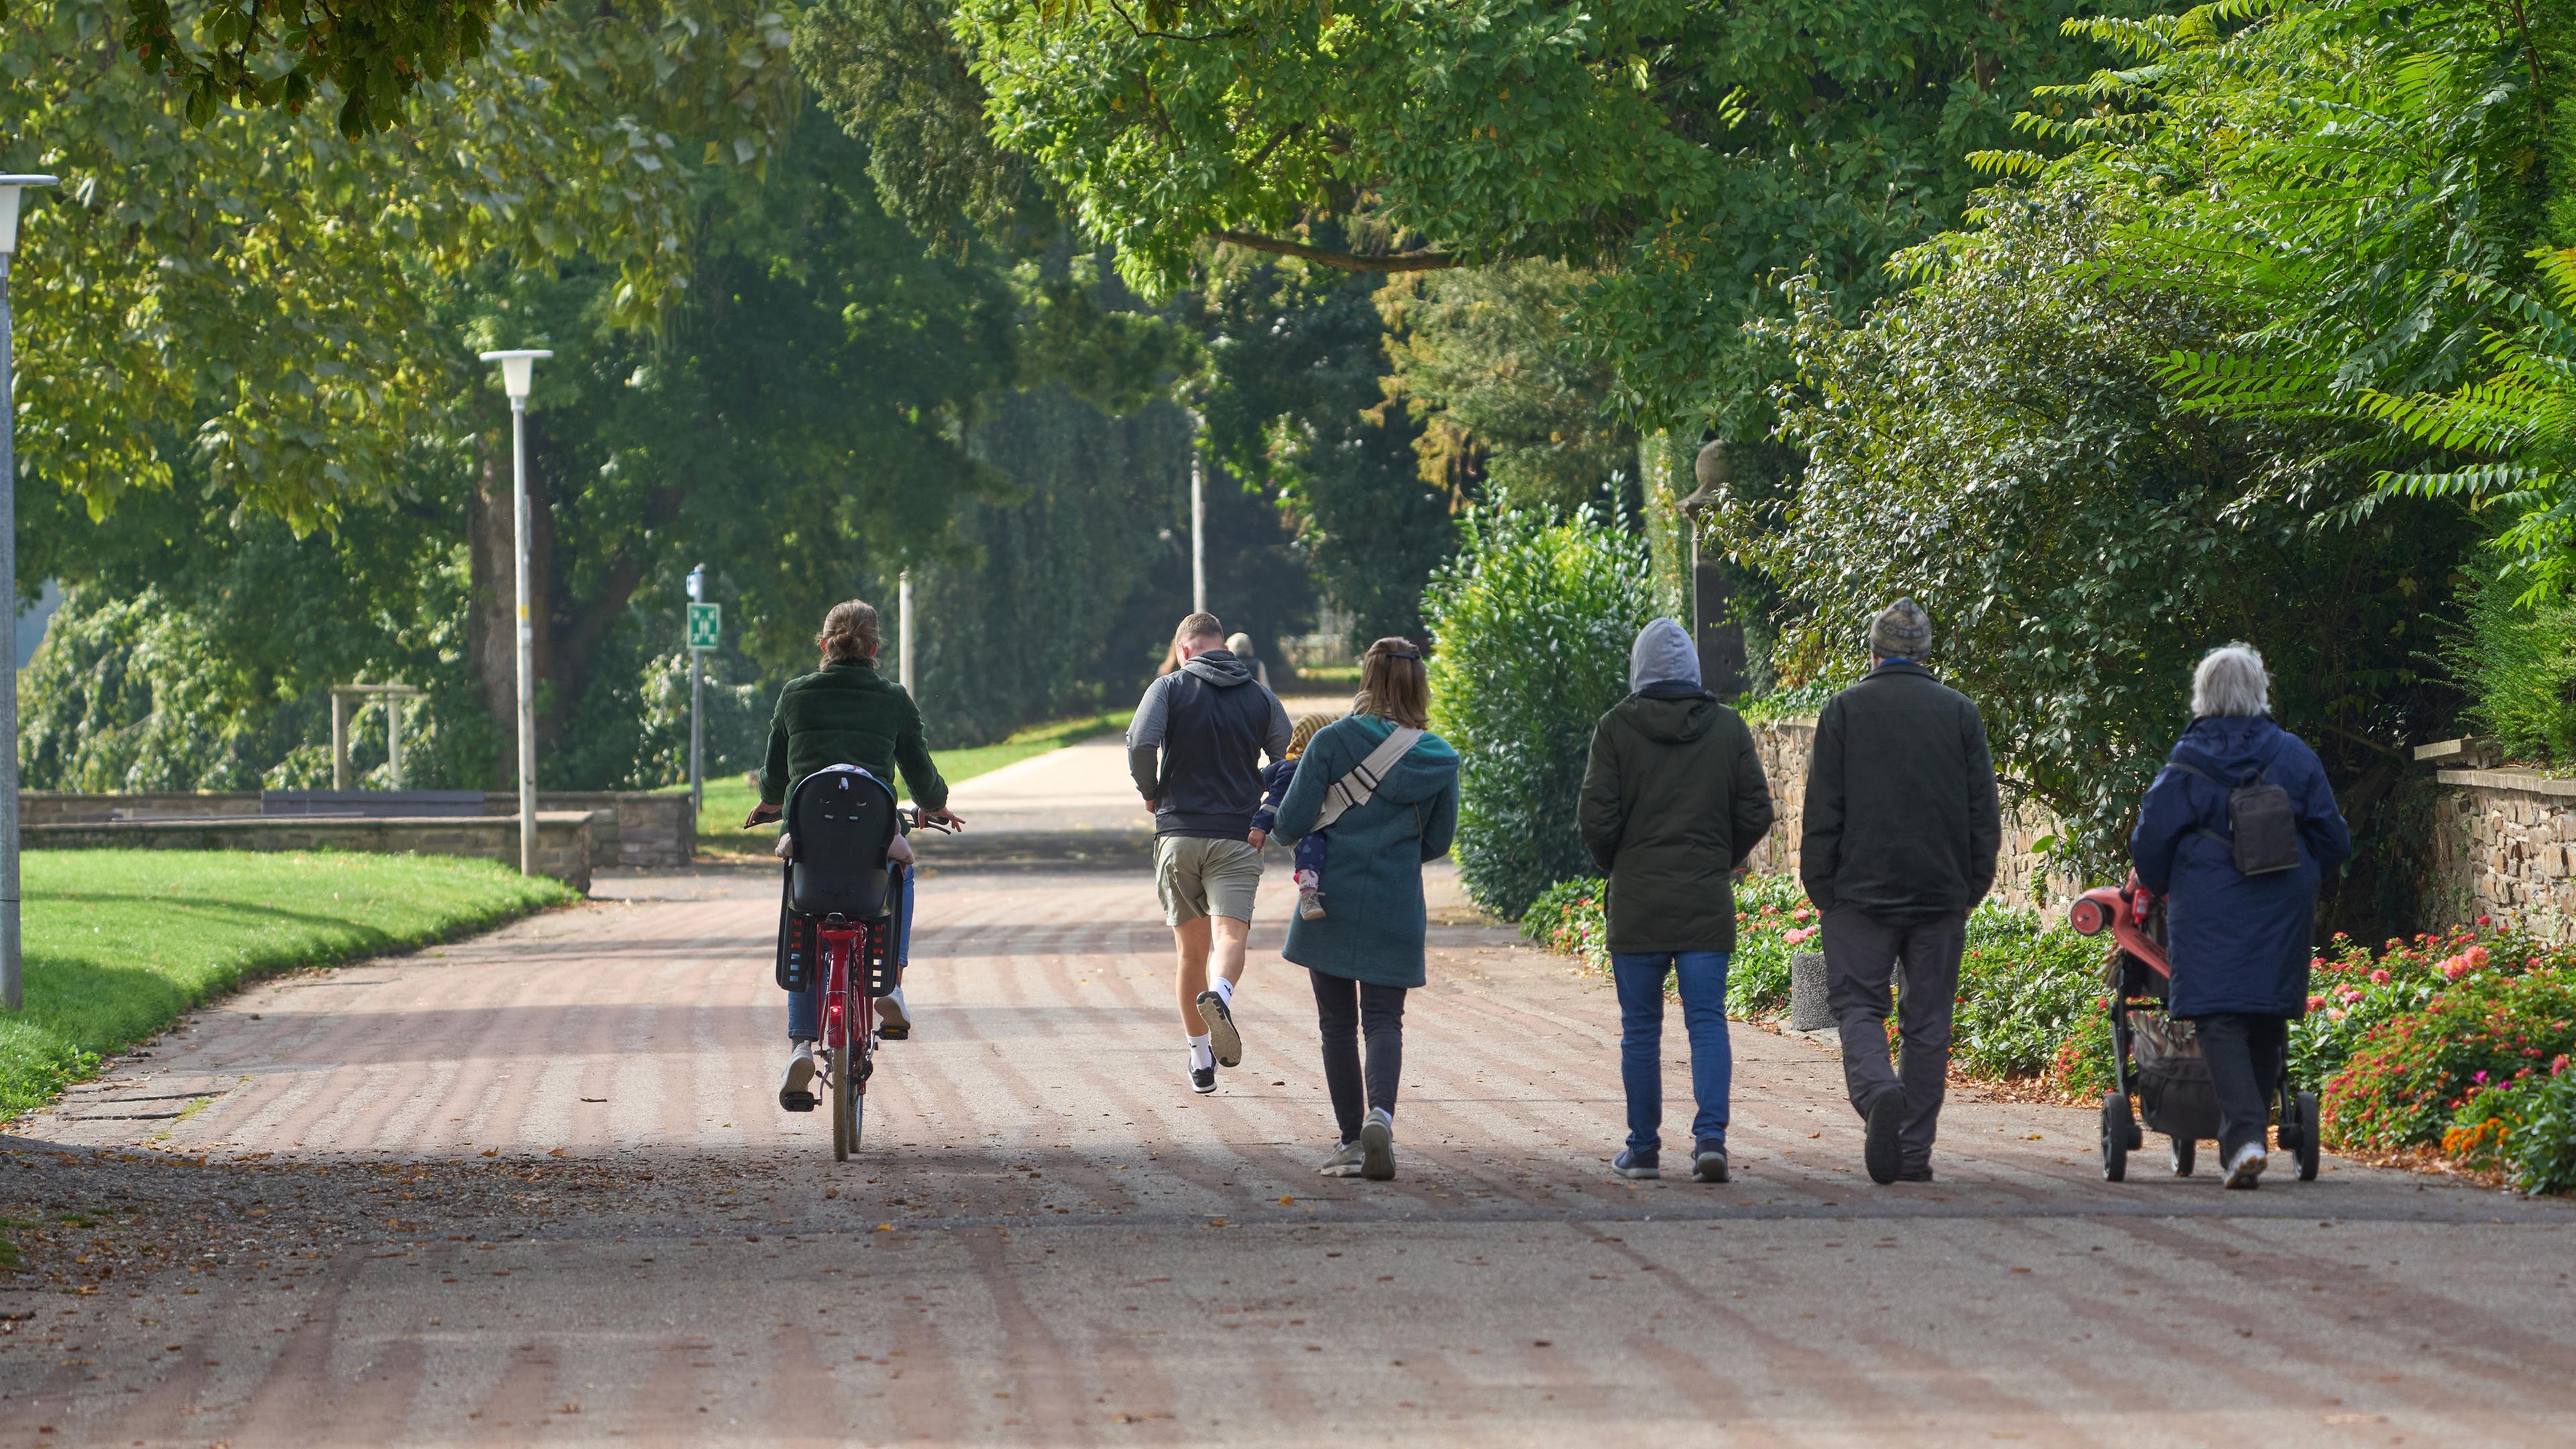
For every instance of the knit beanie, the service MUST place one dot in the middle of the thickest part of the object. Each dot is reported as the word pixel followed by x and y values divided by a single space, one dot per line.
pixel 1301 731
pixel 1662 652
pixel 1903 631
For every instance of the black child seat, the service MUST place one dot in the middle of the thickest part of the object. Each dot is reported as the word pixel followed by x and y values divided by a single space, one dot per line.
pixel 840 820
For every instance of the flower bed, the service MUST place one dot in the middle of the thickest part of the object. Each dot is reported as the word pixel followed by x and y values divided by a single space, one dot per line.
pixel 1772 922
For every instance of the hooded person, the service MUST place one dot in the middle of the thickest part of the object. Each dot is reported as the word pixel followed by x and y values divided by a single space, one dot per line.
pixel 1195 750
pixel 1365 954
pixel 1673 804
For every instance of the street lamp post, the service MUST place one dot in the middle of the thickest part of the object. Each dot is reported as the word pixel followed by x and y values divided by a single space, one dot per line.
pixel 904 633
pixel 11 187
pixel 517 369
pixel 1198 531
pixel 697 706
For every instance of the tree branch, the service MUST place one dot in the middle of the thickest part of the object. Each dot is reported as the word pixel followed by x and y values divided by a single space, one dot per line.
pixel 1344 261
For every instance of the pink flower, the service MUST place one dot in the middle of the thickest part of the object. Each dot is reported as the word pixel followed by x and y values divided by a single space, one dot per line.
pixel 2316 1003
pixel 2480 1079
pixel 2378 978
pixel 2486 921
pixel 1794 937
pixel 2559 1065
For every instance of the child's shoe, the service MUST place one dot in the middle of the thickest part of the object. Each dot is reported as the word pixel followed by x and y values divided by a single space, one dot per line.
pixel 1310 905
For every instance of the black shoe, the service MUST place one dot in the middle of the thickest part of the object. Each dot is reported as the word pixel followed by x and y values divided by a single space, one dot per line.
pixel 1708 1163
pixel 1879 1152
pixel 1914 1174
pixel 1203 1081
pixel 1223 1039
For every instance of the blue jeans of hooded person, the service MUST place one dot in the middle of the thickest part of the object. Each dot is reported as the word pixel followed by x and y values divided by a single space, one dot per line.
pixel 805 1008
pixel 1639 977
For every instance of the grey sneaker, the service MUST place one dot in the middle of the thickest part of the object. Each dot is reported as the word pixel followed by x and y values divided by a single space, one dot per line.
pixel 1708 1164
pixel 1377 1146
pixel 1634 1164
pixel 1345 1161
pixel 1310 905
pixel 796 1089
pixel 1222 1037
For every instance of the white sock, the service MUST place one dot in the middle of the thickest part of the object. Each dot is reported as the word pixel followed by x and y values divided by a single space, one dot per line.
pixel 1224 990
pixel 1202 1055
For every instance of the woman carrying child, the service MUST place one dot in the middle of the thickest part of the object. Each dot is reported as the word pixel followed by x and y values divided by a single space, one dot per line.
pixel 1388 791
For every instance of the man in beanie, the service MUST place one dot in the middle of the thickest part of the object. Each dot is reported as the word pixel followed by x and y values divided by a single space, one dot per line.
pixel 1902 826
pixel 1673 802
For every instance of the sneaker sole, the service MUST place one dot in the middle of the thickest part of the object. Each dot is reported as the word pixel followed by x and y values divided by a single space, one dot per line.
pixel 2248 1179
pixel 1377 1152
pixel 796 1094
pixel 1639 1174
pixel 1879 1152
pixel 1207 1091
pixel 1223 1039
pixel 892 1023
pixel 1709 1169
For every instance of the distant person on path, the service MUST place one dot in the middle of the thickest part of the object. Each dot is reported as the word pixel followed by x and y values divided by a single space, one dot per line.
pixel 1902 826
pixel 2240 942
pixel 1388 790
pixel 846 713
pixel 1240 646
pixel 1673 804
pixel 1311 851
pixel 1195 750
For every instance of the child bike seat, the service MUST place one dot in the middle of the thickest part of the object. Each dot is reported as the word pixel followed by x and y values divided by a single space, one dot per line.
pixel 841 819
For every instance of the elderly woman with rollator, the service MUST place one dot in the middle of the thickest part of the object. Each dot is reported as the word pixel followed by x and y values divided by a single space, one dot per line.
pixel 2236 834
pixel 1673 804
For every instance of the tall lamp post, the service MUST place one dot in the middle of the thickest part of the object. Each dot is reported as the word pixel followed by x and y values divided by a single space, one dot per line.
pixel 11 187
pixel 697 704
pixel 518 368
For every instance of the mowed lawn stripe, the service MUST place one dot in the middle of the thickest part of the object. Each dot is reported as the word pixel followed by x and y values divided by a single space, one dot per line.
pixel 118 943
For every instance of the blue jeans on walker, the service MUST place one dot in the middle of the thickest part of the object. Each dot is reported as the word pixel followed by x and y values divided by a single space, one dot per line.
pixel 805 1008
pixel 1639 977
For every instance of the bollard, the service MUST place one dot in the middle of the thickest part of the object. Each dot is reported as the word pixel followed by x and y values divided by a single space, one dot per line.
pixel 1808 1009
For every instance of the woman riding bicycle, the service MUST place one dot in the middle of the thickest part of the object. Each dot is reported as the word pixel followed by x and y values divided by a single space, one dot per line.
pixel 845 713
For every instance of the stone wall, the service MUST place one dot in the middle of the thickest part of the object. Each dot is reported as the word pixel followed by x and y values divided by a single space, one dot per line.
pixel 2507 848
pixel 634 827
pixel 2022 875
pixel 564 845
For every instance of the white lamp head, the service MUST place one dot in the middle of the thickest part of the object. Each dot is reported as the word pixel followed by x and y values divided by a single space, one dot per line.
pixel 517 370
pixel 698 584
pixel 10 186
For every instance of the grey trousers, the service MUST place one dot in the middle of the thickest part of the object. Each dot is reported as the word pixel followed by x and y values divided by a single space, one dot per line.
pixel 1861 955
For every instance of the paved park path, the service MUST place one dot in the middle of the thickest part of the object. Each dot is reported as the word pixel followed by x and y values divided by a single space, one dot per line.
pixel 534 1188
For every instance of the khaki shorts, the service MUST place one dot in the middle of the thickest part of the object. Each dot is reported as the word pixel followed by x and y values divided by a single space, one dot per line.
pixel 1198 877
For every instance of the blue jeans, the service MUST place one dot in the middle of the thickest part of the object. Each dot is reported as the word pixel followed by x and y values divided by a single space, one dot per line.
pixel 1639 976
pixel 805 1008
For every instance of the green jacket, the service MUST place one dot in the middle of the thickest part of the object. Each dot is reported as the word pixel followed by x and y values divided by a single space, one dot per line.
pixel 1673 801
pixel 848 714
pixel 1374 923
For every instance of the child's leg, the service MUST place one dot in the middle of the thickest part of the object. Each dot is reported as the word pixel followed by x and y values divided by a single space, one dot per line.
pixel 1310 861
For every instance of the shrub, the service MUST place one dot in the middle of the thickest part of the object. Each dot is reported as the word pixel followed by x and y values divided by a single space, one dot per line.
pixel 2525 1128
pixel 2022 991
pixel 2406 1079
pixel 1772 923
pixel 1532 623
pixel 1568 918
pixel 2517 664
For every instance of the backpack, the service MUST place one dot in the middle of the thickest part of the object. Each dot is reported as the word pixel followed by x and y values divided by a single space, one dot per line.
pixel 2262 827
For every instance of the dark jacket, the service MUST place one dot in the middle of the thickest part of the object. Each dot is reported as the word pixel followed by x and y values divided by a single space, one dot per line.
pixel 1375 929
pixel 2238 943
pixel 1673 801
pixel 848 714
pixel 1902 821
pixel 1196 743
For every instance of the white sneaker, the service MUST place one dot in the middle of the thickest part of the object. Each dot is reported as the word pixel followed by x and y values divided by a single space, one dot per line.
pixel 796 1089
pixel 2246 1169
pixel 1345 1161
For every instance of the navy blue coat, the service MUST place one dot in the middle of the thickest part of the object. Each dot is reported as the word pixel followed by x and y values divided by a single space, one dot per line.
pixel 2237 943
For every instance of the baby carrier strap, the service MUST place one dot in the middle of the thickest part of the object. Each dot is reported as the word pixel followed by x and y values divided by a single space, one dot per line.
pixel 1354 789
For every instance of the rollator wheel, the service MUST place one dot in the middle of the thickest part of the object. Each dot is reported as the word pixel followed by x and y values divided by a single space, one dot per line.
pixel 2118 1130
pixel 2307 1153
pixel 2183 1149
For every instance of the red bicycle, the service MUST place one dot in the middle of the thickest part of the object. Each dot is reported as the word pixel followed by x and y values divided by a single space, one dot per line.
pixel 843 926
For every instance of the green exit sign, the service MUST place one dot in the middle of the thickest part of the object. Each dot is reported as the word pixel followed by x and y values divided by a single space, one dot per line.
pixel 706 625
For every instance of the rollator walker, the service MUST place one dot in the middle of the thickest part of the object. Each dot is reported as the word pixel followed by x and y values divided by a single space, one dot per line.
pixel 841 924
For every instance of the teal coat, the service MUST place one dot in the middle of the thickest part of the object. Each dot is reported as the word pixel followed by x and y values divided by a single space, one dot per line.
pixel 1373 927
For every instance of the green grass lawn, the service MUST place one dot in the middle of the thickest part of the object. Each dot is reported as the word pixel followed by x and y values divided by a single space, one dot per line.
pixel 730 797
pixel 119 942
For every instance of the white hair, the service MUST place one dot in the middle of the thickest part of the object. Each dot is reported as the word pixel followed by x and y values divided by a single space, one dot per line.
pixel 2231 681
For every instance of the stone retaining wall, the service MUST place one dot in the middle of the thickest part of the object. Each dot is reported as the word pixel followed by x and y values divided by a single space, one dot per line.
pixel 2507 843
pixel 2022 875
pixel 633 827
pixel 564 843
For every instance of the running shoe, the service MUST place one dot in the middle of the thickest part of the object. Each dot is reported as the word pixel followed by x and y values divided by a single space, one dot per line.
pixel 1227 1042
pixel 2246 1171
pixel 1345 1161
pixel 1631 1163
pixel 1708 1163
pixel 1377 1146
pixel 892 1022
pixel 796 1089
pixel 1203 1080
